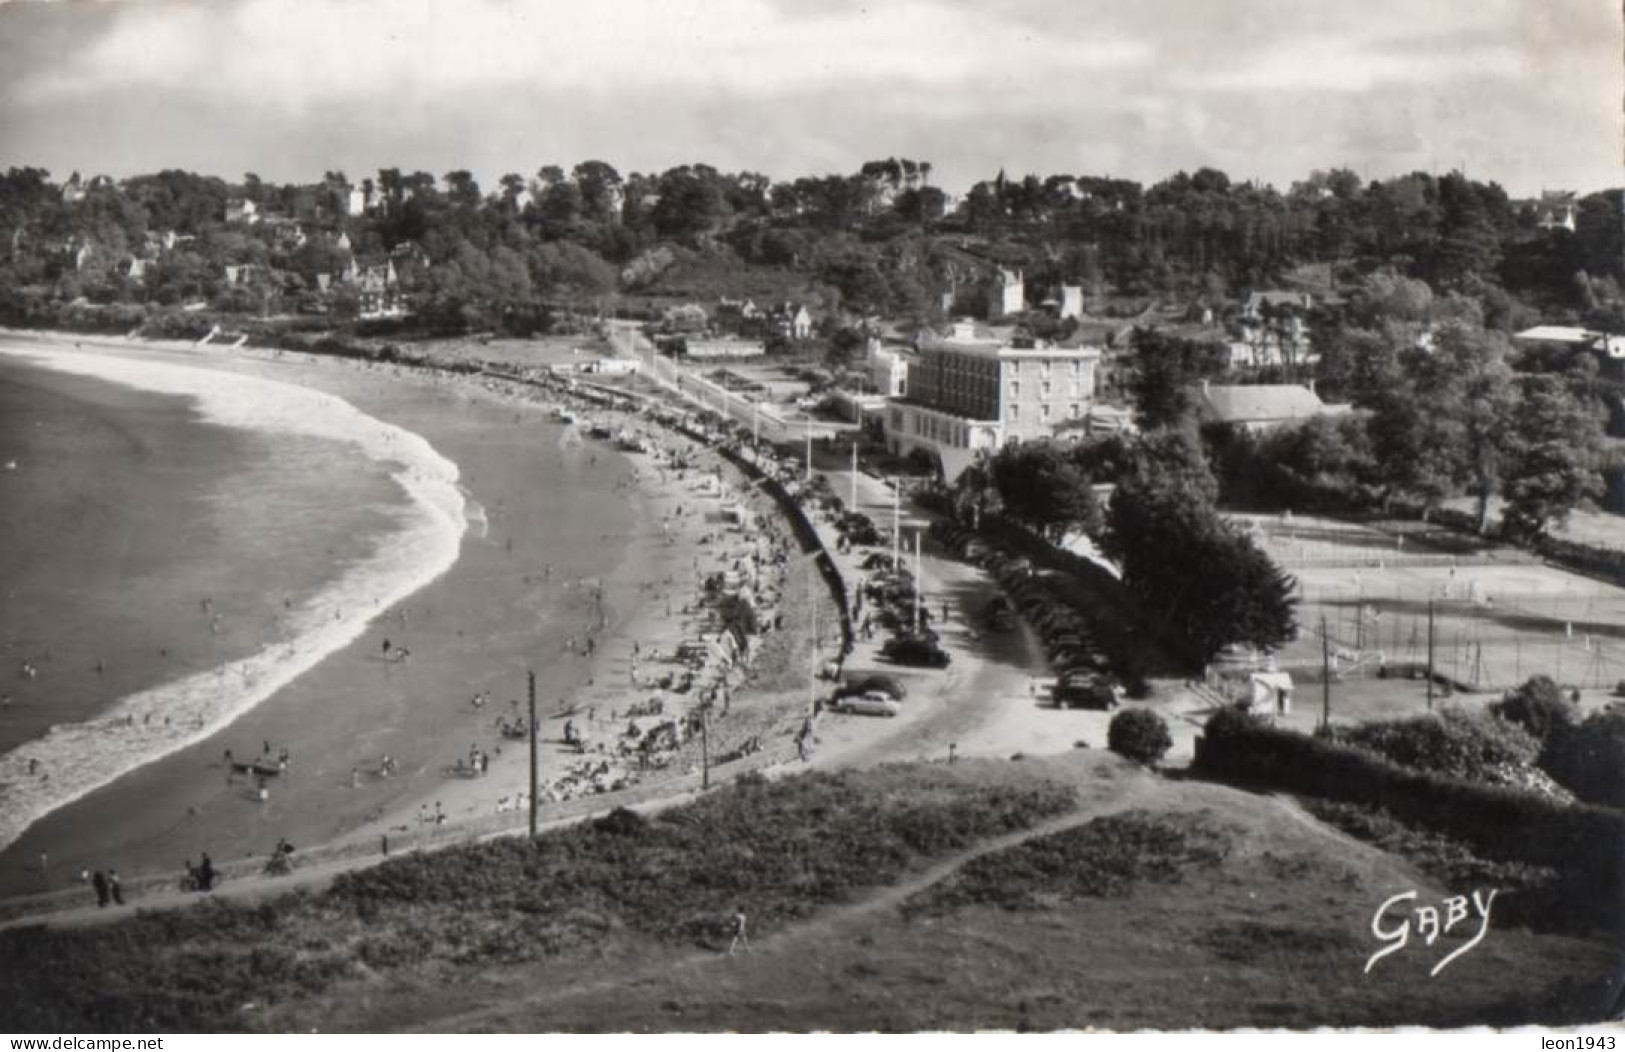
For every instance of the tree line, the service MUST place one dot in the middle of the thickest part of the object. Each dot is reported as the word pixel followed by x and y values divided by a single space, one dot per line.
pixel 881 240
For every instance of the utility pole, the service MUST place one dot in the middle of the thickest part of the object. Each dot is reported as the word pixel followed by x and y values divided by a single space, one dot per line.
pixel 1430 655
pixel 530 691
pixel 809 449
pixel 705 746
pixel 1325 675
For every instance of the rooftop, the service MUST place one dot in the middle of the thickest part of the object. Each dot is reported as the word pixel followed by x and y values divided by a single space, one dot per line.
pixel 1557 334
pixel 1254 403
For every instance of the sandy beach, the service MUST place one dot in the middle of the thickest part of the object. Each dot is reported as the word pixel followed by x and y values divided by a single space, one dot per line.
pixel 571 540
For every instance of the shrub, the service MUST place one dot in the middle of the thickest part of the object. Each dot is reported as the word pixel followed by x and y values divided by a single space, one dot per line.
pixel 1538 706
pixel 1229 722
pixel 1589 759
pixel 1140 735
pixel 1107 858
pixel 1477 747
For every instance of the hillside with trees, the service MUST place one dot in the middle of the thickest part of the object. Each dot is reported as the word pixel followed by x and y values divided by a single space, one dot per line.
pixel 880 241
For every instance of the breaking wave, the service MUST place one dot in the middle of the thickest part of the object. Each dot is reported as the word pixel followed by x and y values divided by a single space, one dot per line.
pixel 148 725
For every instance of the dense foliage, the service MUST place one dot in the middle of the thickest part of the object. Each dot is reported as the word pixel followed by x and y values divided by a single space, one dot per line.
pixel 1474 746
pixel 1140 735
pixel 879 240
pixel 1539 707
pixel 1589 759
pixel 1205 582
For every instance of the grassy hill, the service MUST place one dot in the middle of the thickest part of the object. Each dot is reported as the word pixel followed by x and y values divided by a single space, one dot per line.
pixel 1072 892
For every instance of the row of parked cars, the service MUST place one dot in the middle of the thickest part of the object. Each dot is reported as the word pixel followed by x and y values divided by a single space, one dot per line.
pixel 1082 671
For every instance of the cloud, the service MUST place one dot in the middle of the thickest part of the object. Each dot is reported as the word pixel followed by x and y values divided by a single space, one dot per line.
pixel 1523 90
pixel 302 52
pixel 1321 63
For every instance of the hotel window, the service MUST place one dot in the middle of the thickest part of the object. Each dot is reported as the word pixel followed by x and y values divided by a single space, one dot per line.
pixel 1015 411
pixel 1043 388
pixel 1073 411
pixel 1015 388
pixel 1043 411
pixel 1043 368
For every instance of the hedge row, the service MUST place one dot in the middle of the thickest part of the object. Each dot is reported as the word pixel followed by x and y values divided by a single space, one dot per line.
pixel 1584 843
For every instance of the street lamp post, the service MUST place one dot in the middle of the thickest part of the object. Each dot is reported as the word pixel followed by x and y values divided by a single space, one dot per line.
pixel 916 582
pixel 854 503
pixel 896 521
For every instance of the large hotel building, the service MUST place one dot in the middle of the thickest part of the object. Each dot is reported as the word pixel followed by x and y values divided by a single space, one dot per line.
pixel 966 393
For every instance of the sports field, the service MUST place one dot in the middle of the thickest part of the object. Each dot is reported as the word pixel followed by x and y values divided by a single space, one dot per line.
pixel 1498 614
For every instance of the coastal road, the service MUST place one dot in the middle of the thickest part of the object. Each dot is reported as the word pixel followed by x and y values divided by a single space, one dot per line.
pixel 769 420
pixel 992 700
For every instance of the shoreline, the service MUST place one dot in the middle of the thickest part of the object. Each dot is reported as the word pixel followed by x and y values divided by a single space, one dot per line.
pixel 424 545
pixel 633 617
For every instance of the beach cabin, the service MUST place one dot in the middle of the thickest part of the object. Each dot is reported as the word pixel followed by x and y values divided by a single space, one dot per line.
pixel 1270 692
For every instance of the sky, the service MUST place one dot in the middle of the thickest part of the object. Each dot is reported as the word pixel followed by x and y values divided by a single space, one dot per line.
pixel 1527 93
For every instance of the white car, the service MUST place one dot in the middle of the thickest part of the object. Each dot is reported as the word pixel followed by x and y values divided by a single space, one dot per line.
pixel 873 703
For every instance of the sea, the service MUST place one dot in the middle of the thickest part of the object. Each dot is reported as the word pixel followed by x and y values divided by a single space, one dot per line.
pixel 176 545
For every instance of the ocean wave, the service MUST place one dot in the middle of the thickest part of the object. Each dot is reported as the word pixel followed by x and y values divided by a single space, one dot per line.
pixel 146 726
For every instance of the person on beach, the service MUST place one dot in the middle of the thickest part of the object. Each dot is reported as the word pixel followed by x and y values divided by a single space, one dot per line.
pixel 114 888
pixel 739 936
pixel 99 882
pixel 205 873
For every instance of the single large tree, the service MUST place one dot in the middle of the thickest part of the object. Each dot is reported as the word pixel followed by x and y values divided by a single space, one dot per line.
pixel 1555 450
pixel 1469 373
pixel 1040 485
pixel 1167 370
pixel 1203 583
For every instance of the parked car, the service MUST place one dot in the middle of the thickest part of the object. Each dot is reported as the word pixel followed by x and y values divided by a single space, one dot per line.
pixel 1090 692
pixel 915 650
pixel 890 686
pixel 872 703
pixel 998 615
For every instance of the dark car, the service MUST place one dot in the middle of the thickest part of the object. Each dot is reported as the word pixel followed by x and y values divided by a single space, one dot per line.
pixel 1088 692
pixel 915 650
